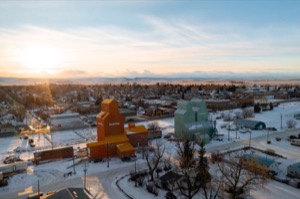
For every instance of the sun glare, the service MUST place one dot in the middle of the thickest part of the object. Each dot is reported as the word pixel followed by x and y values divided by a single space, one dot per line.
pixel 40 58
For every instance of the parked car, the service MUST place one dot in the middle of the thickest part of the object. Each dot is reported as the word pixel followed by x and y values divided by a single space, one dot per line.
pixel 222 126
pixel 245 130
pixel 293 137
pixel 271 129
pixel 11 159
pixel 3 182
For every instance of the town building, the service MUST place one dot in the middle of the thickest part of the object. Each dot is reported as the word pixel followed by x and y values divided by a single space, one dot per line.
pixel 294 170
pixel 68 193
pixel 138 135
pixel 251 124
pixel 65 121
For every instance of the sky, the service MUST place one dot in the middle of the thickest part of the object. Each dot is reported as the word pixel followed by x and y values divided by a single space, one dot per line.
pixel 149 38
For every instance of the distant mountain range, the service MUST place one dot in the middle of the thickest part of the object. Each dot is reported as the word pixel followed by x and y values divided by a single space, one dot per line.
pixel 153 78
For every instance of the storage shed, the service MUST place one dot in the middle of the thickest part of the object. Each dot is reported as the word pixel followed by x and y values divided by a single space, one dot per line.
pixel 65 121
pixel 294 170
pixel 169 181
pixel 56 153
pixel 137 134
pixel 251 124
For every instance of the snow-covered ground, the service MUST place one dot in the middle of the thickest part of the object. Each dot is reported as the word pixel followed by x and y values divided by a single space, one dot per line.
pixel 53 173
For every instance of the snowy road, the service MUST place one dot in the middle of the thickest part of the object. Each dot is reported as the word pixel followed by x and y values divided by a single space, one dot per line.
pixel 245 142
pixel 105 180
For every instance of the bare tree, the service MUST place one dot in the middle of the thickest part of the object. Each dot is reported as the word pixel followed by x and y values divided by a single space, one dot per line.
pixel 291 124
pixel 227 117
pixel 212 190
pixel 248 112
pixel 154 159
pixel 153 126
pixel 238 115
pixel 241 174
pixel 188 185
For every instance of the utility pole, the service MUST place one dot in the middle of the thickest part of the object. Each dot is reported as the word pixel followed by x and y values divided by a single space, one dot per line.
pixel 281 120
pixel 250 139
pixel 235 127
pixel 228 132
pixel 74 172
pixel 107 155
pixel 51 136
pixel 38 189
pixel 85 170
pixel 135 172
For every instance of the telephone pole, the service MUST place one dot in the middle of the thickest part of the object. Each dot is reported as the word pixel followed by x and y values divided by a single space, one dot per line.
pixel 85 170
pixel 107 155
pixel 281 120
pixel 74 172
pixel 38 189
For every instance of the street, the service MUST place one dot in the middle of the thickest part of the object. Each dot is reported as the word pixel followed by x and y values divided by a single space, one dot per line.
pixel 108 178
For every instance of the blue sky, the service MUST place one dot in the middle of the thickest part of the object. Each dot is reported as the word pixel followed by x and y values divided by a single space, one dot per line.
pixel 144 38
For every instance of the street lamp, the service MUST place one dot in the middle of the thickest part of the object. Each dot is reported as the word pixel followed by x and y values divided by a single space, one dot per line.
pixel 250 139
pixel 135 172
pixel 235 127
pixel 281 120
pixel 74 172
pixel 85 170
pixel 228 131
pixel 38 189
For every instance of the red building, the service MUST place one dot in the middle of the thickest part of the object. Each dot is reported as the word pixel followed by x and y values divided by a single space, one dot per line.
pixel 138 135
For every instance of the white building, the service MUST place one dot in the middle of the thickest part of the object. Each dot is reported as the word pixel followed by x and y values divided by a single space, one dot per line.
pixel 66 121
pixel 294 170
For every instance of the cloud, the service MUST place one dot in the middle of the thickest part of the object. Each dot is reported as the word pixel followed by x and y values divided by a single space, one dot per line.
pixel 165 46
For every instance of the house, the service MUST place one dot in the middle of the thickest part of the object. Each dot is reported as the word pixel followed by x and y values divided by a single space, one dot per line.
pixel 251 124
pixel 265 162
pixel 219 104
pixel 297 116
pixel 69 193
pixel 294 170
pixel 169 180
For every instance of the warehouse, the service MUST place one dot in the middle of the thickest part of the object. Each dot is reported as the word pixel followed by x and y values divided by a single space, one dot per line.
pixel 138 135
pixel 251 124
pixel 65 121
pixel 294 170
pixel 50 154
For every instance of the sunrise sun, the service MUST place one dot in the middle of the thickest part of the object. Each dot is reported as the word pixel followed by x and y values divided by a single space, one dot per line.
pixel 40 57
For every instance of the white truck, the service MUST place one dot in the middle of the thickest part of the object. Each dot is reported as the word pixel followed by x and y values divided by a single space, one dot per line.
pixel 295 142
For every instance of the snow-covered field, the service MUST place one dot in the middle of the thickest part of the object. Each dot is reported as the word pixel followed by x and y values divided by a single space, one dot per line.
pixel 51 173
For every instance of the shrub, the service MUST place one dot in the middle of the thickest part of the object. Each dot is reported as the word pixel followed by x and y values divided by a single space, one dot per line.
pixel 270 152
pixel 216 157
pixel 291 124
